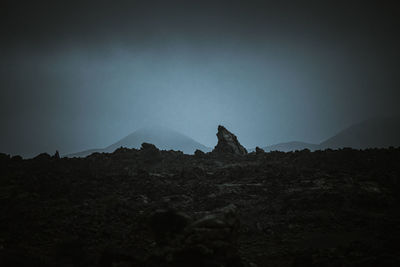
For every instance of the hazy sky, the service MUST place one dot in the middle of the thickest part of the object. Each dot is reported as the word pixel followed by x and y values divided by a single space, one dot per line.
pixel 84 75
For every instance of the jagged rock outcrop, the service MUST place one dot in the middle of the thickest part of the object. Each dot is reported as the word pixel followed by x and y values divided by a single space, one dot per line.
pixel 56 155
pixel 228 143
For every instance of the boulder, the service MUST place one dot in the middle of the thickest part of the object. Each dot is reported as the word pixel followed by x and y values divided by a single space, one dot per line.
pixel 167 225
pixel 148 146
pixel 259 151
pixel 208 241
pixel 199 154
pixel 228 143
pixel 42 156
pixel 150 153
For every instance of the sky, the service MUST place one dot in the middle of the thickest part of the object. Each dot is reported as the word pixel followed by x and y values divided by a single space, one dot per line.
pixel 81 75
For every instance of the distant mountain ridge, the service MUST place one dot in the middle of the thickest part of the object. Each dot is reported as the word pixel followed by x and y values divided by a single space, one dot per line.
pixel 372 133
pixel 377 132
pixel 291 146
pixel 162 137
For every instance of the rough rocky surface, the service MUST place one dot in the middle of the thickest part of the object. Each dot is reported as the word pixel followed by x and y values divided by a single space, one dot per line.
pixel 228 143
pixel 149 207
pixel 208 241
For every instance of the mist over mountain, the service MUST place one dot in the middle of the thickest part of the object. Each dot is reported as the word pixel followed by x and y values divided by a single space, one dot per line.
pixel 376 132
pixel 162 137
pixel 268 70
pixel 372 133
pixel 92 80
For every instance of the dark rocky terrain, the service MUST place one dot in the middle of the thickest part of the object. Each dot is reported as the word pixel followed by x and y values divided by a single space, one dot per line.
pixel 146 207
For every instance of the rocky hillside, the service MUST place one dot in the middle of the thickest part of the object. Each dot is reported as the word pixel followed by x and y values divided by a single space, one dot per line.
pixel 147 207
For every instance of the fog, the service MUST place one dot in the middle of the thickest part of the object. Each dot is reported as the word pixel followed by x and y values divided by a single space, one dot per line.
pixel 268 73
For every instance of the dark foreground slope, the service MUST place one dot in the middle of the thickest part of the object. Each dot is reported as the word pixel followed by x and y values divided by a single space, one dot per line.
pixel 323 208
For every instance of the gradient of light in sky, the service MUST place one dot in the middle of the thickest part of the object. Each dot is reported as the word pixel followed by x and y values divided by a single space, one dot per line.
pixel 80 76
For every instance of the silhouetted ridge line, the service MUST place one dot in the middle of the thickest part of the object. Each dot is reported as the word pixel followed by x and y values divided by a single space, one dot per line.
pixel 372 133
pixel 162 137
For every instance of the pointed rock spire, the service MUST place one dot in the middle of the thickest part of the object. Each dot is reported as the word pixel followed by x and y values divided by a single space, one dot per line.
pixel 228 143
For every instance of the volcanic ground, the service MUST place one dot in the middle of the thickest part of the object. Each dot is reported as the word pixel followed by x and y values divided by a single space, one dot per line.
pixel 147 207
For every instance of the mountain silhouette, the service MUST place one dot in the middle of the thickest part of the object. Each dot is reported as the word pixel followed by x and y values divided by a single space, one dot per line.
pixel 162 137
pixel 372 133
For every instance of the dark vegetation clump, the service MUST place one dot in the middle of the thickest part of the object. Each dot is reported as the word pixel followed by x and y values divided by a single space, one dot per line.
pixel 149 207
